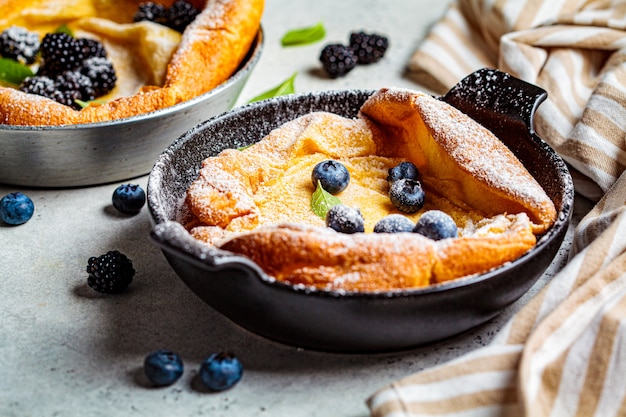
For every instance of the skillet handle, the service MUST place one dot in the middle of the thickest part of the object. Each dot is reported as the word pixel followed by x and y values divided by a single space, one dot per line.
pixel 502 103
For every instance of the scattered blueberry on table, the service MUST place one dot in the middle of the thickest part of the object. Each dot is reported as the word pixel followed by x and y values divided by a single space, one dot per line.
pixel 220 371
pixel 163 367
pixel 129 198
pixel 16 208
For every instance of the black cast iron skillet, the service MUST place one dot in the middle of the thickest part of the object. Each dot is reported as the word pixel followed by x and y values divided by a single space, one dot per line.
pixel 355 322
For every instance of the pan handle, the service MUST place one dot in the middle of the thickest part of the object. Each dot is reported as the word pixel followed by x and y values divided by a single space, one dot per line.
pixel 502 103
pixel 172 237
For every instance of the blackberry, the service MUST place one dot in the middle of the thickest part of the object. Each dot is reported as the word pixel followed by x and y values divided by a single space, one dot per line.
pixel 75 81
pixel 368 48
pixel 110 273
pixel 19 44
pixel 67 97
pixel 338 59
pixel 91 48
pixel 40 85
pixel 72 86
pixel 101 73
pixel 59 52
pixel 180 15
pixel 153 12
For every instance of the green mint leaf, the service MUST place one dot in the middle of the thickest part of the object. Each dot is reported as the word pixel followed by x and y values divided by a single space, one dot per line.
pixel 243 148
pixel 303 36
pixel 84 104
pixel 64 29
pixel 13 72
pixel 322 201
pixel 286 87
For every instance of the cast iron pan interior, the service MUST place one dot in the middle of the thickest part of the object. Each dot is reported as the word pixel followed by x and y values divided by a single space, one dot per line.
pixel 355 322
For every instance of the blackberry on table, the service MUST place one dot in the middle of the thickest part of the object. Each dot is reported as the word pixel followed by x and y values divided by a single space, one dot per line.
pixel 101 73
pixel 110 273
pixel 180 15
pixel 338 59
pixel 368 48
pixel 153 12
pixel 19 44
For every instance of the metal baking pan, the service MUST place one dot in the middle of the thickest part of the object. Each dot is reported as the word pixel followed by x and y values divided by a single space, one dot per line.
pixel 105 152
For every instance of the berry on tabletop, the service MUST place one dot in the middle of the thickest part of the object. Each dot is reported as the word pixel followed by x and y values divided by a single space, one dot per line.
pixel 338 60
pixel 129 198
pixel 163 367
pixel 16 208
pixel 368 48
pixel 220 371
pixel 110 273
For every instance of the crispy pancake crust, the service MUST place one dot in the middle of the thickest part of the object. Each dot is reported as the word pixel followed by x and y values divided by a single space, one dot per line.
pixel 210 50
pixel 256 202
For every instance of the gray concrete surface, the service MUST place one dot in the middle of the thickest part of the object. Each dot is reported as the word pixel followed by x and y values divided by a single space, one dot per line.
pixel 68 351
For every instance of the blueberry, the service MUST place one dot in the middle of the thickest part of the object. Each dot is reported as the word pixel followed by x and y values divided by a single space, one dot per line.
pixel 220 371
pixel 345 219
pixel 407 195
pixel 394 223
pixel 163 367
pixel 129 198
pixel 16 208
pixel 333 176
pixel 403 170
pixel 436 225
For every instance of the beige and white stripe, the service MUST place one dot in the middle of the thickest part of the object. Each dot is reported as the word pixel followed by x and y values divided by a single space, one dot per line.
pixel 564 353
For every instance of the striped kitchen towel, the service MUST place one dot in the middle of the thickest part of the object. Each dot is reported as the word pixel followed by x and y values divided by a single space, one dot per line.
pixel 564 353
